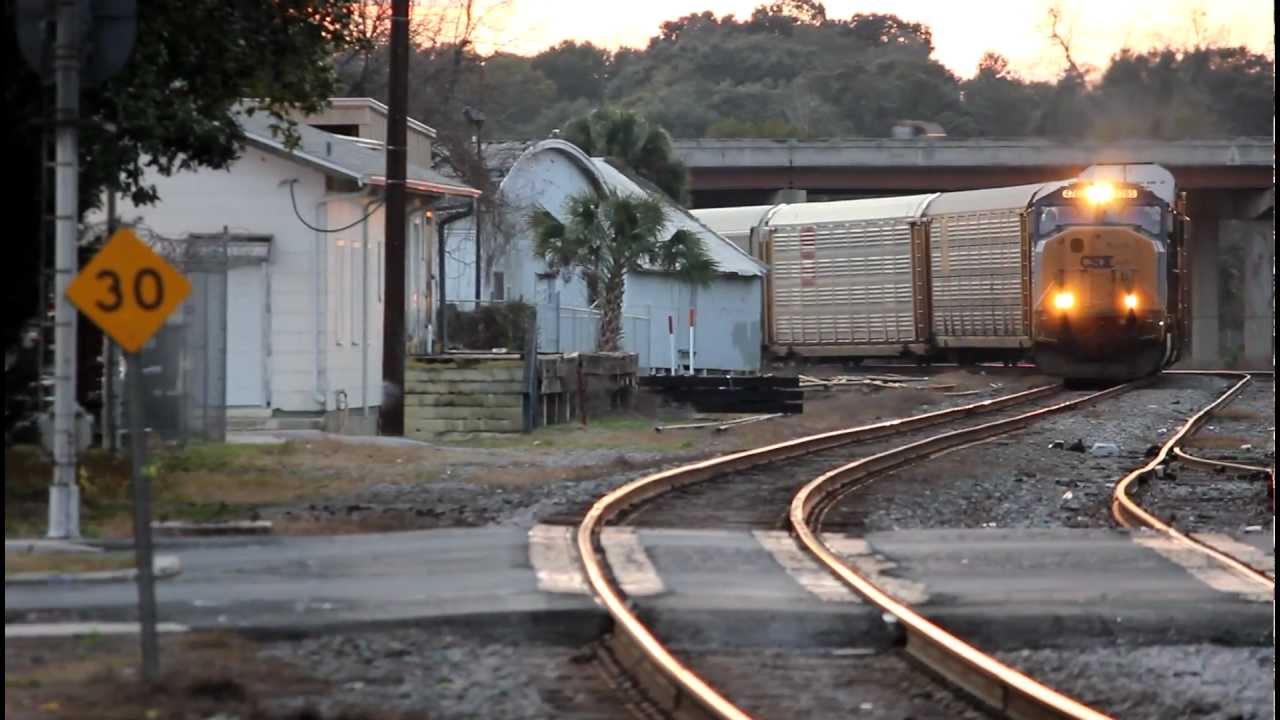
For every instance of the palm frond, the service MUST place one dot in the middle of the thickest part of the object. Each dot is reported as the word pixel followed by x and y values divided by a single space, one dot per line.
pixel 551 241
pixel 684 254
pixel 579 132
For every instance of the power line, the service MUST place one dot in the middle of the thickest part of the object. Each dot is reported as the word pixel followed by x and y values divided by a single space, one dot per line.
pixel 293 199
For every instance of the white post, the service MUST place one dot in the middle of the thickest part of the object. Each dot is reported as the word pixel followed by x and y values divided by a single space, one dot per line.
pixel 692 313
pixel 671 341
pixel 64 494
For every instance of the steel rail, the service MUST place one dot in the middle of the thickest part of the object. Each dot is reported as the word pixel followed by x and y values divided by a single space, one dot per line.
pixel 993 683
pixel 1128 513
pixel 1215 465
pixel 683 682
pixel 1212 464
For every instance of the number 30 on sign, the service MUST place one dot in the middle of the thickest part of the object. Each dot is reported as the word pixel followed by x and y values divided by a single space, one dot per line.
pixel 128 290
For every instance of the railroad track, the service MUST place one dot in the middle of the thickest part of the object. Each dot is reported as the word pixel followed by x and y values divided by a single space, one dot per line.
pixel 1129 512
pixel 670 683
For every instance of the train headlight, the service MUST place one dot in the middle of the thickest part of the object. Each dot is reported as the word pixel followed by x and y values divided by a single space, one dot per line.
pixel 1064 300
pixel 1100 193
pixel 1131 301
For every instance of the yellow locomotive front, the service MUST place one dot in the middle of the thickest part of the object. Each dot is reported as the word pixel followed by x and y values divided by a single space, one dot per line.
pixel 1106 286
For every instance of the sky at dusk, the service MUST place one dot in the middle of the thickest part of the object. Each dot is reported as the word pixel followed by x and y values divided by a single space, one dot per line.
pixel 962 31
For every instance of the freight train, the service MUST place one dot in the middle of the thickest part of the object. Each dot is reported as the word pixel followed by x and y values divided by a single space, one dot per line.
pixel 1085 276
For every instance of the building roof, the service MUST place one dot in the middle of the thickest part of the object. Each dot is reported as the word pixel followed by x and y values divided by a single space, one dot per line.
pixel 381 110
pixel 729 258
pixel 361 160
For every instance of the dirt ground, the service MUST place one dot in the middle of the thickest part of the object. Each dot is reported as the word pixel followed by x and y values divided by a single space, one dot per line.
pixel 202 676
pixel 328 485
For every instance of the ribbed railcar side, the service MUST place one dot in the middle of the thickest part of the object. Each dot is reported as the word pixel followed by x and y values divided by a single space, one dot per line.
pixel 843 288
pixel 843 276
pixel 980 273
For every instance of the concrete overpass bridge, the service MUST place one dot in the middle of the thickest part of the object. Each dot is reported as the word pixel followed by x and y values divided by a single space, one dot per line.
pixel 1230 185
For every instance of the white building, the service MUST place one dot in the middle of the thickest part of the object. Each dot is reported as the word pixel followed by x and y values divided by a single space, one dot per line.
pixel 305 299
pixel 728 309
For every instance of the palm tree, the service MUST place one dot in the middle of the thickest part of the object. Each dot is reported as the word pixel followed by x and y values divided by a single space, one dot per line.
pixel 630 139
pixel 606 237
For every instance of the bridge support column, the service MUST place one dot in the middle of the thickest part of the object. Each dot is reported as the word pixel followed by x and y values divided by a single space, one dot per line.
pixel 1204 292
pixel 1248 323
pixel 1232 285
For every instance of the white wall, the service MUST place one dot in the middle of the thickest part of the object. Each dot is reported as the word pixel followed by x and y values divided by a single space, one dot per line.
pixel 248 198
pixel 546 179
pixel 727 320
pixel 319 282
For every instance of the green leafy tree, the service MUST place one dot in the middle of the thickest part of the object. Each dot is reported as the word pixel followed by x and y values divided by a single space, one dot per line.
pixel 606 237
pixel 998 103
pixel 171 107
pixel 773 128
pixel 578 71
pixel 628 138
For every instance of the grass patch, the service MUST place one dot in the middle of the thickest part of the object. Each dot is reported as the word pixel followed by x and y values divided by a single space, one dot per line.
pixel 65 562
pixel 200 483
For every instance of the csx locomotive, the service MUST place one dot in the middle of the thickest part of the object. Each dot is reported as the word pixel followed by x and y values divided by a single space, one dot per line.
pixel 1084 276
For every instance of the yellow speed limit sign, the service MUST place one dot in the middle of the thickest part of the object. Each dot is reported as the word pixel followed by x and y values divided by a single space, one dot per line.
pixel 128 290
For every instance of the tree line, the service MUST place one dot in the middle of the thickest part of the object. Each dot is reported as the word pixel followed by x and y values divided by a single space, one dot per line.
pixel 792 71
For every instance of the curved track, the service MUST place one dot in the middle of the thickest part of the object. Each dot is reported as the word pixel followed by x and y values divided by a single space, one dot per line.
pixel 1130 514
pixel 995 684
pixel 680 688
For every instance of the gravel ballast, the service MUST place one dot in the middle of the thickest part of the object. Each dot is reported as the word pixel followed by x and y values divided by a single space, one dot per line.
pixel 448 673
pixel 1032 478
pixel 1155 683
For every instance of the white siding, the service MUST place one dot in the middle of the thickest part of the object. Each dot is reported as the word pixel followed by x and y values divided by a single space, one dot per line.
pixel 356 318
pixel 250 199
pixel 726 324
pixel 546 180
pixel 326 289
pixel 728 309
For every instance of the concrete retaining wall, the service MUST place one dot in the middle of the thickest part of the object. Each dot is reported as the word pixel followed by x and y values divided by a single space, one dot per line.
pixel 487 393
pixel 463 394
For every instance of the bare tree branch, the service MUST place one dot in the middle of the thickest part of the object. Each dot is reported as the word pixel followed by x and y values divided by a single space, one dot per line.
pixel 1064 42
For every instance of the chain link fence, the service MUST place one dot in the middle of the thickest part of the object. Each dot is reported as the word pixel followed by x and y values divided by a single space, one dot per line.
pixel 184 364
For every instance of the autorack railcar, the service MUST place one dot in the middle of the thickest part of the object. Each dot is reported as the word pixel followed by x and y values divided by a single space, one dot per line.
pixel 1083 275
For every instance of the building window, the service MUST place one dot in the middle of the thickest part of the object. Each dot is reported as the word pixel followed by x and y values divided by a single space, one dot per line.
pixel 499 286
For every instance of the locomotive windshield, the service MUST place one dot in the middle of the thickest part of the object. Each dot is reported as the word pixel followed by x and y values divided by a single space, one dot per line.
pixel 1102 204
pixel 1149 219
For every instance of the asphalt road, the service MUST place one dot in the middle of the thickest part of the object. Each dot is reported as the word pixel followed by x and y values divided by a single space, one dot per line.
pixel 1000 588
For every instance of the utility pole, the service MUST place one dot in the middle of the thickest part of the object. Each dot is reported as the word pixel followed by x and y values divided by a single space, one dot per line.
pixel 391 410
pixel 64 494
